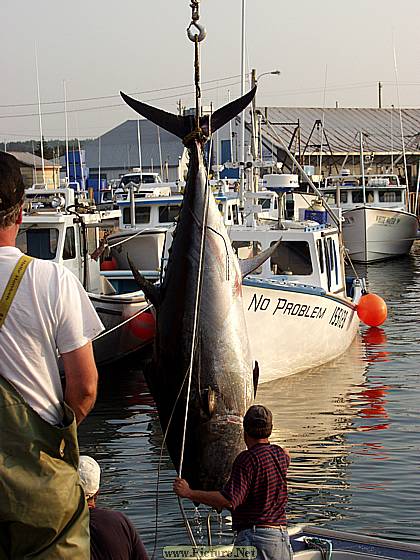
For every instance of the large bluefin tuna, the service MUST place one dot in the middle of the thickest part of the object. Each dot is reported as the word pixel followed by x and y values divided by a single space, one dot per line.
pixel 201 293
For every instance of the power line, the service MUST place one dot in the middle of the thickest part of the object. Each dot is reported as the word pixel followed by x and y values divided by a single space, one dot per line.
pixel 84 99
pixel 116 105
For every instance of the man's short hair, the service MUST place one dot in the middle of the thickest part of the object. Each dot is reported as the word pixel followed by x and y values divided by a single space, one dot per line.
pixel 12 190
pixel 258 422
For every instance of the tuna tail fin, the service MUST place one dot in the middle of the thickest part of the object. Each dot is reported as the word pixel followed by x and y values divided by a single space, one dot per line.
pixel 182 126
pixel 249 265
pixel 150 290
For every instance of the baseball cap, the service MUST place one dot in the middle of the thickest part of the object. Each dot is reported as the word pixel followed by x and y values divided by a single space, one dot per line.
pixel 258 421
pixel 12 187
pixel 90 475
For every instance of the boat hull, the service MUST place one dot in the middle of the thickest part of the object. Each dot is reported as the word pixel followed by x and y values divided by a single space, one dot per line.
pixel 293 327
pixel 130 337
pixel 375 234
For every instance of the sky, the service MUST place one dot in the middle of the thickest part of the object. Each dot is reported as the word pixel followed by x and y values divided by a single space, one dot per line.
pixel 328 52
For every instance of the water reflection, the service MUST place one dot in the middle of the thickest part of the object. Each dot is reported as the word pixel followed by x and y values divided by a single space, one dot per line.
pixel 351 426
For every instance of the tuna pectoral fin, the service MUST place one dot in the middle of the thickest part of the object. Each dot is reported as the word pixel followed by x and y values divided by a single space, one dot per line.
pixel 256 377
pixel 150 290
pixel 249 265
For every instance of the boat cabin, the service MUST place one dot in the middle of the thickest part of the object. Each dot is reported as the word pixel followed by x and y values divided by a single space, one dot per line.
pixel 162 211
pixel 52 229
pixel 308 253
pixel 355 190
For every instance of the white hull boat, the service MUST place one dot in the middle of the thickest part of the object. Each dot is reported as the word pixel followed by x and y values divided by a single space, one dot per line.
pixel 50 231
pixel 377 222
pixel 307 326
pixel 374 234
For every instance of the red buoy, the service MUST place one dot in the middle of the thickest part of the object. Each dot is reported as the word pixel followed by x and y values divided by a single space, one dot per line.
pixel 372 310
pixel 143 326
pixel 109 264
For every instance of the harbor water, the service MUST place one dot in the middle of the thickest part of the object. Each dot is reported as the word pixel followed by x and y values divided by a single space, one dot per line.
pixel 352 428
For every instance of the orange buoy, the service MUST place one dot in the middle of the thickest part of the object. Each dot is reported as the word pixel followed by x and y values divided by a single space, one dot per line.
pixel 109 264
pixel 372 310
pixel 143 326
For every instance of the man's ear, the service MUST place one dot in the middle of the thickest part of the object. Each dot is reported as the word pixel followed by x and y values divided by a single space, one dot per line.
pixel 19 219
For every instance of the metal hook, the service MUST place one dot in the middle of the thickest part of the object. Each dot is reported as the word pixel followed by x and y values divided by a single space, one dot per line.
pixel 201 35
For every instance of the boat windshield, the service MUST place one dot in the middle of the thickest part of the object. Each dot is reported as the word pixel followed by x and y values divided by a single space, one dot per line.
pixel 142 215
pixel 38 243
pixel 292 258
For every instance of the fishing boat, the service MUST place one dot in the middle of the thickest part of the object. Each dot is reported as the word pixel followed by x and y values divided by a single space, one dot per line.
pixel 377 222
pixel 316 543
pixel 301 312
pixel 145 220
pixel 57 226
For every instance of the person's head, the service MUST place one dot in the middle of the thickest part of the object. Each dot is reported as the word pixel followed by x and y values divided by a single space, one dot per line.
pixel 258 423
pixel 12 190
pixel 90 478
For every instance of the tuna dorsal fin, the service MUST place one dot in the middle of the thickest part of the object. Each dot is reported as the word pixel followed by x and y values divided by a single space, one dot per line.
pixel 150 290
pixel 181 126
pixel 249 265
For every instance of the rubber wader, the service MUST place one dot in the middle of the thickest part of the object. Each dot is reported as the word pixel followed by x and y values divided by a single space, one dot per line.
pixel 43 510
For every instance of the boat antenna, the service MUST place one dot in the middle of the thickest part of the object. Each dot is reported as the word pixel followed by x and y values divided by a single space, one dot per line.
pixel 67 132
pixel 407 187
pixel 40 118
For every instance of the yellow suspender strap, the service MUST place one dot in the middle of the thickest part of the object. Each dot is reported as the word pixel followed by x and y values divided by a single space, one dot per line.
pixel 12 287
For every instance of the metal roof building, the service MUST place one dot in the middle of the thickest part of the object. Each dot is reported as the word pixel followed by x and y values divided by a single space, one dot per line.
pixel 117 151
pixel 381 128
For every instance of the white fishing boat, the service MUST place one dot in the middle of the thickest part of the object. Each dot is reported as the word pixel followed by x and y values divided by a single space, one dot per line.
pixel 300 311
pixel 316 543
pixel 144 223
pixel 58 228
pixel 377 224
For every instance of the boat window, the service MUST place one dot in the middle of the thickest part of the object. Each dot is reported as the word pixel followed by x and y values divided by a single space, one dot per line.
pixel 276 203
pixel 343 197
pixel 220 207
pixel 357 196
pixel 327 263
pixel 92 242
pixel 235 214
pixel 230 214
pixel 292 257
pixel 247 250
pixel 330 198
pixel 320 255
pixel 38 243
pixel 264 203
pixel 334 254
pixel 107 196
pixel 142 215
pixel 69 249
pixel 390 196
pixel 168 213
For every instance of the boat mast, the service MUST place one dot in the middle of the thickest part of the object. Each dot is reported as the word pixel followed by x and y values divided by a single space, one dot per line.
pixel 40 118
pixel 362 167
pixel 67 133
pixel 242 154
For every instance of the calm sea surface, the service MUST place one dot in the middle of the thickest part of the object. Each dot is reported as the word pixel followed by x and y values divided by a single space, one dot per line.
pixel 352 427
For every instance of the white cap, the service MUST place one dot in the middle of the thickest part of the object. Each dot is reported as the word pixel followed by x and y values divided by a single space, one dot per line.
pixel 90 475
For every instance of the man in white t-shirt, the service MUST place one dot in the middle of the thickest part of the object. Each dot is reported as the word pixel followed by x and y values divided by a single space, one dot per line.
pixel 42 506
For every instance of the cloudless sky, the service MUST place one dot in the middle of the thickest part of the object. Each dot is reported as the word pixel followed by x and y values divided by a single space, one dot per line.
pixel 327 51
